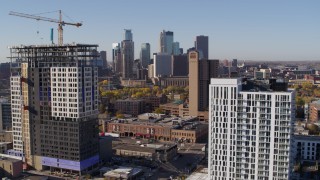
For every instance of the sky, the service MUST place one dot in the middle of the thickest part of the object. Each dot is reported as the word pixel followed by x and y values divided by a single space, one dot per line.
pixel 243 29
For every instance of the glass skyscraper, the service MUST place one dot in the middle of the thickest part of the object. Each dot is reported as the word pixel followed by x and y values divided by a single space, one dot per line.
pixel 145 54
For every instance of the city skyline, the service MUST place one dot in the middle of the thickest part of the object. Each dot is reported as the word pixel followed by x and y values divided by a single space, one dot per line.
pixel 246 30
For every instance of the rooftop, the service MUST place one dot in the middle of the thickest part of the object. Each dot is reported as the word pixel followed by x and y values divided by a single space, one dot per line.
pixel 202 175
pixel 123 172
pixel 4 158
pixel 148 148
pixel 175 122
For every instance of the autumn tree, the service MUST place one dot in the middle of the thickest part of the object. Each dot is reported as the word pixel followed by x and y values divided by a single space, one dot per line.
pixel 159 111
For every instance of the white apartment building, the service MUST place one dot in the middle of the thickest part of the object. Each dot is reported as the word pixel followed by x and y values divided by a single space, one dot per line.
pixel 249 130
pixel 16 106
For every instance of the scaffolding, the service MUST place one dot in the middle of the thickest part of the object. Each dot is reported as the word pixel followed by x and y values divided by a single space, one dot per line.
pixel 53 56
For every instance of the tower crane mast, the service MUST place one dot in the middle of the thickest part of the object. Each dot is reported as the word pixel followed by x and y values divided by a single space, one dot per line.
pixel 59 21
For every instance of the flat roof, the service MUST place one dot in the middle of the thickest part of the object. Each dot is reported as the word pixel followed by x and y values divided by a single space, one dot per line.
pixel 124 172
pixel 135 148
pixel 307 137
pixel 8 159
pixel 198 176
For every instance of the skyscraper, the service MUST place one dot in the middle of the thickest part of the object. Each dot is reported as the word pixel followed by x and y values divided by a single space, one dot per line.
pixel 166 41
pixel 162 64
pixel 127 55
pixel 175 48
pixel 127 35
pixel 116 58
pixel 200 72
pixel 202 46
pixel 103 56
pixel 55 106
pixel 250 129
pixel 180 65
pixel 145 55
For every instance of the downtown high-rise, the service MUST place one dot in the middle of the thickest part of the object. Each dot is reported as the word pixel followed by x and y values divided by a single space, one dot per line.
pixel 145 55
pixel 127 55
pixel 55 106
pixel 166 42
pixel 116 58
pixel 200 73
pixel 250 129
pixel 202 45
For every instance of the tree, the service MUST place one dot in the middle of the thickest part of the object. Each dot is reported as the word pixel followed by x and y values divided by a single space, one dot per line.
pixel 300 101
pixel 307 85
pixel 159 110
pixel 102 108
pixel 119 115
pixel 105 82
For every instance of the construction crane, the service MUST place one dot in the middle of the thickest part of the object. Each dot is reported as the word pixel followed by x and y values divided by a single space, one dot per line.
pixel 40 18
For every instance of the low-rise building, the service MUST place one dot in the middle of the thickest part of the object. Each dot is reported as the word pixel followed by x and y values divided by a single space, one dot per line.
pixel 6 136
pixel 181 81
pixel 314 112
pixel 160 152
pixel 4 146
pixel 123 173
pixel 160 127
pixel 299 81
pixel 134 82
pixel 170 108
pixel 307 154
pixel 130 106
pixel 10 167
pixel 155 101
pixel 191 133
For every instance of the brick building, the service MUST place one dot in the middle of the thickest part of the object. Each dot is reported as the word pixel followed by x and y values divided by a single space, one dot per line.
pixel 314 112
pixel 10 167
pixel 130 106
pixel 162 128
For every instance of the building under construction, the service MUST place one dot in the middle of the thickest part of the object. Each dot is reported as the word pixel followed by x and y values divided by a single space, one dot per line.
pixel 55 105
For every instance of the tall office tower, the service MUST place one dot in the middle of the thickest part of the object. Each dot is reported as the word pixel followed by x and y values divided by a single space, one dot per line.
pixel 250 129
pixel 162 64
pixel 116 58
pixel 200 72
pixel 145 55
pixel 103 56
pixel 5 115
pixel 175 48
pixel 202 46
pixel 127 35
pixel 181 50
pixel 180 65
pixel 55 106
pixel 166 41
pixel 234 63
pixel 127 56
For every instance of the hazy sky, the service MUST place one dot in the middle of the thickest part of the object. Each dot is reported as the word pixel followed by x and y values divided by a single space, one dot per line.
pixel 243 29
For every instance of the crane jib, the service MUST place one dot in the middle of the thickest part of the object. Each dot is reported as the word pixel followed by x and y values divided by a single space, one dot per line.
pixel 40 18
